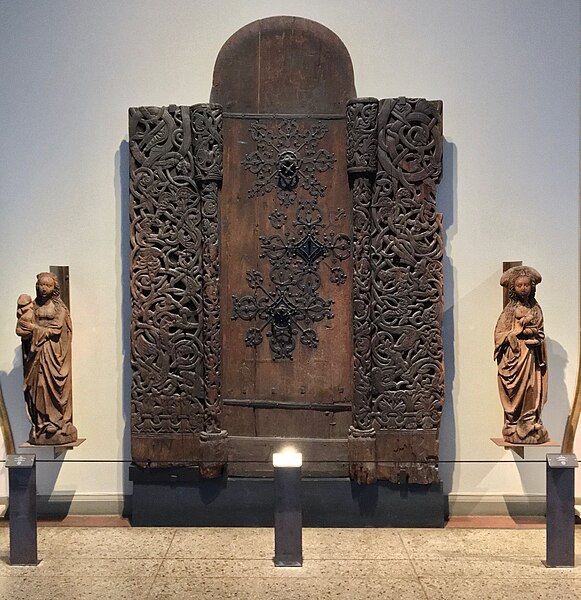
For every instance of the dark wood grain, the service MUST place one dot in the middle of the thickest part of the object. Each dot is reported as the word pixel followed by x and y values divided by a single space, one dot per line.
pixel 286 66
pixel 283 65
pixel 62 274
pixel 308 280
pixel 252 456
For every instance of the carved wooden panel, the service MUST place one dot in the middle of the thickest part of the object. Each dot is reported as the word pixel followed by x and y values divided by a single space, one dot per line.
pixel 362 166
pixel 407 371
pixel 287 282
pixel 175 170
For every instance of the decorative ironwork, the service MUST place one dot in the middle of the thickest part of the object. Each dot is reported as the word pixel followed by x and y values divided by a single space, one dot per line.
pixel 394 153
pixel 285 157
pixel 287 312
pixel 277 219
pixel 291 304
pixel 294 302
pixel 167 394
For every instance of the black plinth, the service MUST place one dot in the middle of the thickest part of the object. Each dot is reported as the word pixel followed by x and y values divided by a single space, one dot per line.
pixel 288 517
pixel 561 510
pixel 22 508
pixel 178 497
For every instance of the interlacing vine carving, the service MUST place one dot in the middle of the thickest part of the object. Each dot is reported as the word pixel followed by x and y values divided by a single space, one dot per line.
pixel 407 373
pixel 175 174
pixel 167 394
pixel 406 241
pixel 207 143
pixel 394 158
pixel 361 165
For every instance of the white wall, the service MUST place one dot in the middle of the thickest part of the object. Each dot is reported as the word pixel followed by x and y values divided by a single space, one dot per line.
pixel 508 73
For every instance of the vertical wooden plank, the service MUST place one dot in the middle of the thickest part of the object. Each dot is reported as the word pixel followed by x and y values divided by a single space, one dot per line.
pixel 362 167
pixel 506 265
pixel 407 290
pixel 308 96
pixel 62 274
pixel 206 122
pixel 283 65
pixel 167 397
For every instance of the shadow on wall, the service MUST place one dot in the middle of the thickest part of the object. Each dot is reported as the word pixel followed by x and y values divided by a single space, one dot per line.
pixel 122 193
pixel 48 467
pixel 558 395
pixel 447 205
pixel 554 416
pixel 12 383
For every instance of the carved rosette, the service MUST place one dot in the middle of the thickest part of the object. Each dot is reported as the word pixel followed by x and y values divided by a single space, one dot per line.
pixel 407 371
pixel 167 394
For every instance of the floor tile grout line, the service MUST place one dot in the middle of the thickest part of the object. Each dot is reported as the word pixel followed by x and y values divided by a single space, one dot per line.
pixel 418 579
pixel 154 577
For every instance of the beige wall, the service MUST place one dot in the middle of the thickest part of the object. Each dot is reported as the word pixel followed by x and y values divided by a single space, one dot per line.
pixel 508 73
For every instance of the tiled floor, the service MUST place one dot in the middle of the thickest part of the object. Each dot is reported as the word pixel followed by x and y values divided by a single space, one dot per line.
pixel 121 562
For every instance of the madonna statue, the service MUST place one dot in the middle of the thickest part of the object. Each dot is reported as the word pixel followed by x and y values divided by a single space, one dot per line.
pixel 46 331
pixel 519 350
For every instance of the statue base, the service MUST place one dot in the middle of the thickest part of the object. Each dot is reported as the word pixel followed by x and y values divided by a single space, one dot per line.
pixel 179 497
pixel 519 449
pixel 58 449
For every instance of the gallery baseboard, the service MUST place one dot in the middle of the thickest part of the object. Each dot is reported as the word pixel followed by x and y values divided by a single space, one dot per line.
pixel 61 505
pixel 458 504
pixel 514 505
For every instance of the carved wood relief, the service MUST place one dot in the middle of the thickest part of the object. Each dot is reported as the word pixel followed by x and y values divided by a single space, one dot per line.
pixel 362 165
pixel 245 292
pixel 175 173
pixel 395 162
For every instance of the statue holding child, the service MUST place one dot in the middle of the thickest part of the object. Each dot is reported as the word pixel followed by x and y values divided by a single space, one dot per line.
pixel 44 324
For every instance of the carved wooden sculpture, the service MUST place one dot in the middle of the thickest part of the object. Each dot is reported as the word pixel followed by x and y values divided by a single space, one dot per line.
pixel 46 331
pixel 519 350
pixel 395 161
pixel 176 164
pixel 294 289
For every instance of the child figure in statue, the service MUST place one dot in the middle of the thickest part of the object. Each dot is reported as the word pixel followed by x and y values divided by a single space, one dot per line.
pixel 519 350
pixel 46 331
pixel 24 310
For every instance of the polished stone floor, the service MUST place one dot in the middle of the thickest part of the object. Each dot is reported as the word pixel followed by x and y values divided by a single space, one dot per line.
pixel 457 562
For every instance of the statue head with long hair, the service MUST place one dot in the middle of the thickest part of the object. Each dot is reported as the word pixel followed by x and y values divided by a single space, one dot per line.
pixel 511 276
pixel 47 288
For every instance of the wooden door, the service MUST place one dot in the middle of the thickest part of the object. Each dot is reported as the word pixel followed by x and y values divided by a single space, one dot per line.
pixel 285 231
pixel 286 268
